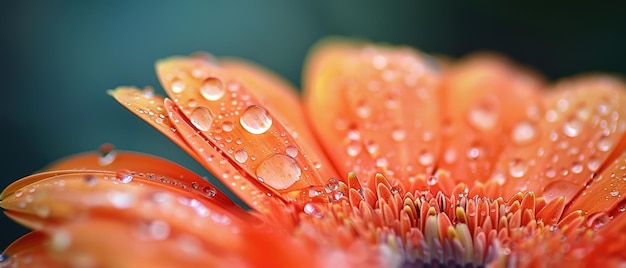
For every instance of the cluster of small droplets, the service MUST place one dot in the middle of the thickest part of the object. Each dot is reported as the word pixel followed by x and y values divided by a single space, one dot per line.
pixel 225 120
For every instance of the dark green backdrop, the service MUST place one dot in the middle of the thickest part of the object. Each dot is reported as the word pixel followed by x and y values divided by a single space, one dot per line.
pixel 58 59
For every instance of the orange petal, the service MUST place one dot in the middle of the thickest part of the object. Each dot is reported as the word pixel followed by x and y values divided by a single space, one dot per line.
pixel 282 101
pixel 215 110
pixel 485 100
pixel 29 251
pixel 58 196
pixel 605 192
pixel 149 107
pixel 582 123
pixel 158 169
pixel 374 108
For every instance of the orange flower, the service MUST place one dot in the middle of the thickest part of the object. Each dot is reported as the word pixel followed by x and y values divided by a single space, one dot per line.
pixel 393 159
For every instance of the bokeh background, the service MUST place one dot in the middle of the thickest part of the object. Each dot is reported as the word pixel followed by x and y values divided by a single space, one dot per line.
pixel 58 58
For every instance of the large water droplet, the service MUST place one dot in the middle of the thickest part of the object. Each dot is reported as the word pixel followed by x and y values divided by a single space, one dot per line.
pixel 212 88
pixel 201 118
pixel 577 167
pixel 517 168
pixel 572 127
pixel 291 151
pixel 255 120
pixel 605 144
pixel 124 176
pixel 398 134
pixel 177 86
pixel 426 158
pixel 593 164
pixel 241 156
pixel 279 171
pixel 107 154
pixel 484 115
pixel 228 126
pixel 560 188
pixel 523 133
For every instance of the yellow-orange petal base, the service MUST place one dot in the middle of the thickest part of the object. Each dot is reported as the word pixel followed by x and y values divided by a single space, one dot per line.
pixel 393 159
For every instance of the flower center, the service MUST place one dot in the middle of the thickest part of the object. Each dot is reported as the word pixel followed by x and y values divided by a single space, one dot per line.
pixel 421 228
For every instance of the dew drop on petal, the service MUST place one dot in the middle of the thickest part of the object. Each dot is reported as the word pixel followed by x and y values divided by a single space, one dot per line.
pixel 124 176
pixel 255 120
pixel 517 168
pixel 201 118
pixel 241 156
pixel 577 167
pixel 449 156
pixel 19 193
pixel 614 193
pixel 60 240
pixel 107 154
pixel 363 110
pixel 426 158
pixel 158 230
pixel 353 149
pixel 598 220
pixel 398 134
pixel 177 86
pixel 279 171
pixel 212 88
pixel 593 164
pixel 228 126
pixel 121 199
pixel 560 188
pixel 523 133
pixel 90 180
pixel 572 127
pixel 291 151
pixel 605 144
pixel 483 116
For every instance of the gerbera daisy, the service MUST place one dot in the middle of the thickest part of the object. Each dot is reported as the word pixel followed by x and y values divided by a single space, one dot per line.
pixel 392 159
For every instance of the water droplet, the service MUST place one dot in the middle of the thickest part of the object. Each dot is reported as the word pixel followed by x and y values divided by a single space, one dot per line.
pixel 61 240
pixel 158 229
pixel 523 133
pixel 517 168
pixel 353 149
pixel 209 191
pixel 177 86
pixel 124 176
pixel 201 118
pixel 598 220
pixel 279 171
pixel 241 156
pixel 5 260
pixel 450 156
pixel 381 162
pixel 473 153
pixel 379 62
pixel 291 151
pixel 550 172
pixel 255 120
pixel 593 164
pixel 432 180
pixel 426 158
pixel 212 88
pixel 483 116
pixel 605 144
pixel 572 127
pixel 19 193
pixel 107 154
pixel 560 188
pixel 228 126
pixel 363 110
pixel 577 168
pixel 121 199
pixel 398 134
pixel 90 180
pixel 614 193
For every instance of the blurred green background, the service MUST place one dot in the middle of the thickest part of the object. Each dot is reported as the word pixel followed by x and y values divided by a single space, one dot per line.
pixel 58 58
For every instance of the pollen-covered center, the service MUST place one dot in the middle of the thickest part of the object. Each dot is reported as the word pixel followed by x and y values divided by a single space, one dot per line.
pixel 423 228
